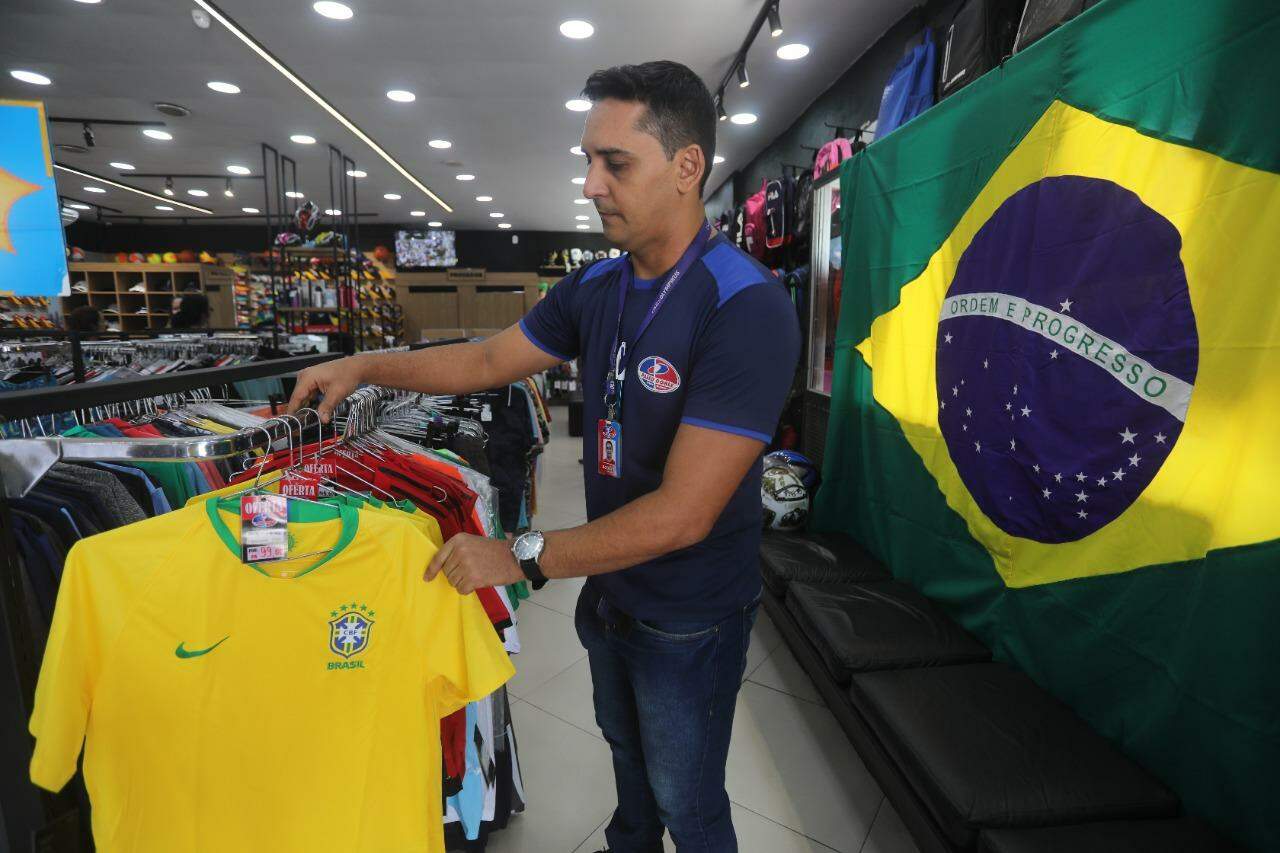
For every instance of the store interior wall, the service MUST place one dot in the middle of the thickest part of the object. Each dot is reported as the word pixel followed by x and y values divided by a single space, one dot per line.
pixel 493 250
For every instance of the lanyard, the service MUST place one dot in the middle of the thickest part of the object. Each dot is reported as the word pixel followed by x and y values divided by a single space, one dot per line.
pixel 618 354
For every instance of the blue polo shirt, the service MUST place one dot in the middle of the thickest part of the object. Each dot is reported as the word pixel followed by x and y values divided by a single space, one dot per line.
pixel 721 354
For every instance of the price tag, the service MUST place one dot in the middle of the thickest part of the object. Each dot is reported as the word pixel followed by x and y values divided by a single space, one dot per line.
pixel 300 484
pixel 264 528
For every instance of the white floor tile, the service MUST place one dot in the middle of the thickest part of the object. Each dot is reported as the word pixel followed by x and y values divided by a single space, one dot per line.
pixel 756 834
pixel 560 595
pixel 764 639
pixel 568 696
pixel 548 645
pixel 568 779
pixel 781 671
pixel 888 835
pixel 790 761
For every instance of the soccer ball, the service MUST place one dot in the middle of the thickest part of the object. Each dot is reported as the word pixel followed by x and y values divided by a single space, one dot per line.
pixel 798 462
pixel 785 499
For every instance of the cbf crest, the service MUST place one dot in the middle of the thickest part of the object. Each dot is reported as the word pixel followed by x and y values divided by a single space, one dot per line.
pixel 350 629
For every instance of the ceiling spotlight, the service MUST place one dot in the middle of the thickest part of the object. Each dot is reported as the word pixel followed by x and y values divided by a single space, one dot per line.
pixel 164 207
pixel 168 187
pixel 743 118
pixel 435 223
pixel 391 196
pixel 577 105
pixel 440 143
pixel 496 215
pixel 465 177
pixel 775 21
pixel 162 135
pixel 88 135
pixel 582 217
pixel 78 206
pixel 579 181
pixel 577 29
pixel 582 201
pixel 30 77
pixel 417 213
pixel 238 170
pixel 577 149
pixel 743 80
pixel 94 190
pixel 332 211
pixel 584 227
pixel 504 224
pixel 249 209
pixel 484 198
pixel 224 88
pixel 720 113
pixel 124 167
pixel 295 194
pixel 175 110
pixel 402 96
pixel 717 160
pixel 197 193
pixel 228 192
pixel 302 139
pixel 330 9
pixel 357 173
pixel 793 51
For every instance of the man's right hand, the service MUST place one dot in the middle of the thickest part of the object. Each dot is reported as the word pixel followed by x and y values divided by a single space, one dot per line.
pixel 333 380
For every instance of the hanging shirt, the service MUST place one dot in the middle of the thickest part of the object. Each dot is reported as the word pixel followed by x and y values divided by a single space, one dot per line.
pixel 222 708
pixel 721 354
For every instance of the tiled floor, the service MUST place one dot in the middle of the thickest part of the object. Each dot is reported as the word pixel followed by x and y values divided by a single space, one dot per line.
pixel 795 782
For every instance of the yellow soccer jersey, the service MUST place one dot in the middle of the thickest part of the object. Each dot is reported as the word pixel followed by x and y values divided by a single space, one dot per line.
pixel 226 709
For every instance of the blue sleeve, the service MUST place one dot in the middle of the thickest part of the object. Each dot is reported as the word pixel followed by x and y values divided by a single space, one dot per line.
pixel 552 324
pixel 744 364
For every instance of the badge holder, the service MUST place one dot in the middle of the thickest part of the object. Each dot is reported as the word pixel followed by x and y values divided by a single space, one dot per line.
pixel 609 428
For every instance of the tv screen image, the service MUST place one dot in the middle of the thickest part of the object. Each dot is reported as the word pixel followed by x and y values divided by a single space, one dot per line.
pixel 423 249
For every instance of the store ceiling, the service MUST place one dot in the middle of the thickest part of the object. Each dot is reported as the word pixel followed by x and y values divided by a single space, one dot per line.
pixel 491 76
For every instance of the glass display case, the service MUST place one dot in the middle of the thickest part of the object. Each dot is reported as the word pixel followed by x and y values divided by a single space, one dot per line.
pixel 825 280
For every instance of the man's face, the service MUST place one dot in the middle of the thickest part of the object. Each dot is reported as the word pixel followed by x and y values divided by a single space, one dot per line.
pixel 629 178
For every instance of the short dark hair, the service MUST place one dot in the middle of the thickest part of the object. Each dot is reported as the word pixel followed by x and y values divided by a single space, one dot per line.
pixel 85 318
pixel 192 312
pixel 681 111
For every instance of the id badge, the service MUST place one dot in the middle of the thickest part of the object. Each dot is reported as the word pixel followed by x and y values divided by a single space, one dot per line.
pixel 609 448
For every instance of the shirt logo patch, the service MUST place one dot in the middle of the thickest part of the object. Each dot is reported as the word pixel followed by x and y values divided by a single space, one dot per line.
pixel 658 375
pixel 350 629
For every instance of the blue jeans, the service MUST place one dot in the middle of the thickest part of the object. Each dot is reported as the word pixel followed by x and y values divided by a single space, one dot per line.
pixel 664 699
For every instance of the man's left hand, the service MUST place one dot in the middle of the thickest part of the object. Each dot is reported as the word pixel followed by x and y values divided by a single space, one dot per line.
pixel 471 562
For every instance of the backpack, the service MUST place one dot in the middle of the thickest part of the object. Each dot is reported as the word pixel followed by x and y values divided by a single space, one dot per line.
pixel 753 226
pixel 775 215
pixel 909 91
pixel 977 38
pixel 802 210
pixel 1042 17
pixel 831 155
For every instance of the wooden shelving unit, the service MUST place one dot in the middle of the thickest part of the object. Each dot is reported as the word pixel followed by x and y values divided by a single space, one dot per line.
pixel 111 289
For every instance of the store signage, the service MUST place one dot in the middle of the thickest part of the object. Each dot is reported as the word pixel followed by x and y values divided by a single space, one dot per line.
pixel 33 258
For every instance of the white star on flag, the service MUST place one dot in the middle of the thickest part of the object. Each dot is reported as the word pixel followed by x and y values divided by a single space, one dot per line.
pixel 1080 478
pixel 1066 306
pixel 968 413
pixel 1102 481
pixel 1053 354
pixel 1082 514
pixel 1035 468
pixel 1127 437
pixel 1015 389
pixel 1118 474
pixel 1013 445
pixel 1026 413
pixel 1057 478
pixel 1134 460
pixel 947 337
pixel 955 392
pixel 1160 437
pixel 985 363
pixel 1081 497
pixel 1008 407
pixel 977 445
pixel 964 427
pixel 1046 493
pixel 943 404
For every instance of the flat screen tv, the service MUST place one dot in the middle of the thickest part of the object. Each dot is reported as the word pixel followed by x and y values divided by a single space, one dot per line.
pixel 416 250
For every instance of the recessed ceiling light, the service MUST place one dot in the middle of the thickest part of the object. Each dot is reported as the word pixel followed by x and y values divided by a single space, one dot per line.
pixel 162 135
pixel 578 105
pixel 402 96
pixel 577 29
pixel 582 217
pixel 496 215
pixel 577 149
pixel 504 224
pixel 94 190
pixel 89 2
pixel 465 177
pixel 197 193
pixel 330 211
pixel 793 51
pixel 30 77
pixel 440 143
pixel 717 160
pixel 236 169
pixel 484 198
pixel 435 223
pixel 391 196
pixel 579 181
pixel 295 194
pixel 224 88
pixel 302 139
pixel 78 206
pixel 743 118
pixel 584 227
pixel 330 9
pixel 357 173
pixel 249 209
pixel 582 201
pixel 163 207
pixel 124 167
pixel 417 213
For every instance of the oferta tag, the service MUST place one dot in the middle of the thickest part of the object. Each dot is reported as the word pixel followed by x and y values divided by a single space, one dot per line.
pixel 264 528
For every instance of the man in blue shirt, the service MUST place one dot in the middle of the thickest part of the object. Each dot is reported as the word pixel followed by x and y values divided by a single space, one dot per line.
pixel 687 348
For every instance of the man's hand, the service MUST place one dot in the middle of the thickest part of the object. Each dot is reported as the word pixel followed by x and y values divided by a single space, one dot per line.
pixel 334 379
pixel 471 562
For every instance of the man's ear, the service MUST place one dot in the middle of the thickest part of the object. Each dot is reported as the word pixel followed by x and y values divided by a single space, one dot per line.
pixel 691 165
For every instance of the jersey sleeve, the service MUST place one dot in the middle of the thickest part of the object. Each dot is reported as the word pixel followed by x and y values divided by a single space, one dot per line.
pixel 744 364
pixel 465 657
pixel 552 324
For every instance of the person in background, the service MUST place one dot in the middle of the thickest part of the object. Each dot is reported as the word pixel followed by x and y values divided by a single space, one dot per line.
pixel 84 319
pixel 192 312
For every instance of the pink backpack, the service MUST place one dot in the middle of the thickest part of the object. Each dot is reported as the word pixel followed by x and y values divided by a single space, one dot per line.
pixel 829 156
pixel 754 226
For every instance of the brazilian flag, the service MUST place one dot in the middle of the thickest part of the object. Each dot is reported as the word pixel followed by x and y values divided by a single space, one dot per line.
pixel 1056 403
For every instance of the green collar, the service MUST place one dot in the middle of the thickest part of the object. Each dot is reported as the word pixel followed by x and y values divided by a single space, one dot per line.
pixel 300 511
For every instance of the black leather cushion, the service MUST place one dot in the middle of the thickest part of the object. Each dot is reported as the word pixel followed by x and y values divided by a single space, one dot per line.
pixel 985 747
pixel 858 627
pixel 1183 835
pixel 815 558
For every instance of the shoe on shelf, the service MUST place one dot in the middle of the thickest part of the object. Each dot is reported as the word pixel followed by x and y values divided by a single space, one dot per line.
pixel 140 287
pixel 81 286
pixel 113 308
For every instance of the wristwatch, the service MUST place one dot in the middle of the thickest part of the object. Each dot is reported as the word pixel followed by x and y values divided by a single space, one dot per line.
pixel 527 549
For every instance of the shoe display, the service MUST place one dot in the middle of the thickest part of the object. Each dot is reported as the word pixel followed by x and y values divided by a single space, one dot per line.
pixel 80 287
pixel 140 287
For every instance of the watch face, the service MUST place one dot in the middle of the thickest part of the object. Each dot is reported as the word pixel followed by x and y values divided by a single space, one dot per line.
pixel 528 546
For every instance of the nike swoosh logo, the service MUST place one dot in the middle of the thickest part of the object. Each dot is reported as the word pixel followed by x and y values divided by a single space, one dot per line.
pixel 195 653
